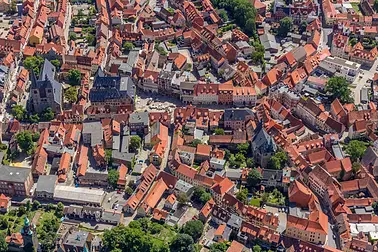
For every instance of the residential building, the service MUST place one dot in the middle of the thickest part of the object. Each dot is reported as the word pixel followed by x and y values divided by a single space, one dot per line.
pixel 16 181
pixel 341 67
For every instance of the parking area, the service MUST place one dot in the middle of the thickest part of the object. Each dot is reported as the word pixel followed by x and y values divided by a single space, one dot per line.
pixel 114 201
pixel 188 215
pixel 282 217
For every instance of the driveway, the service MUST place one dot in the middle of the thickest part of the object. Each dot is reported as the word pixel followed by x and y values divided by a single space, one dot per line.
pixel 282 217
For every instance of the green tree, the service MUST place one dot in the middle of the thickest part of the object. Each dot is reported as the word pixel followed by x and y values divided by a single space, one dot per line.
pixel 243 148
pixel 36 205
pixel 195 142
pixel 375 206
pixel 356 149
pixel 47 114
pixel 74 77
pixel 72 36
pixel 36 136
pixel 250 163
pixel 205 197
pixel 375 5
pixel 223 15
pixel 242 195
pixel 113 176
pixel 303 26
pixel 109 156
pixel 194 228
pixel 18 112
pixel 33 63
pixel 250 26
pixel 25 141
pixel 218 247
pixel 70 94
pixel 285 26
pixel 182 198
pixel 353 41
pixel 47 233
pixel 91 40
pixel 127 46
pixel 256 248
pixel 3 244
pixel 59 211
pixel 356 167
pixel 21 210
pixel 34 118
pixel 129 191
pixel 182 243
pixel 219 131
pixel 254 178
pixel 338 87
pixel 135 143
pixel 56 63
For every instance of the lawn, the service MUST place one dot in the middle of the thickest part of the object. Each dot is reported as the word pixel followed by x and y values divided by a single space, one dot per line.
pixel 255 202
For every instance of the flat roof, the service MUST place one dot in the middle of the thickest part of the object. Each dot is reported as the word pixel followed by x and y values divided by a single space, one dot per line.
pixel 79 194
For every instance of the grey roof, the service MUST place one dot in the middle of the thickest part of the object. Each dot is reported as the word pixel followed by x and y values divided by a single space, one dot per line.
pixel 262 141
pixel 111 216
pixel 214 160
pixel 139 117
pixel 116 142
pixel 269 174
pixel 95 129
pixel 76 239
pixel 79 195
pixel 233 174
pixel 47 80
pixel 125 144
pixel 14 174
pixel 109 87
pixel 236 114
pixel 46 183
pixel 183 186
pixel 299 53
pixel 269 41
pixel 123 156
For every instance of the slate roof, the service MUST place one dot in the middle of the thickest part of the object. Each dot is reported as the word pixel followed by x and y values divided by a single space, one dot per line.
pixel 236 114
pixel 47 80
pixel 14 174
pixel 47 183
pixel 262 141
pixel 109 88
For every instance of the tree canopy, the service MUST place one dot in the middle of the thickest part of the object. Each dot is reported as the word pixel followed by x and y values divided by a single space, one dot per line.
pixel 242 11
pixel 182 243
pixel 137 236
pixel 47 233
pixel 71 94
pixel 200 195
pixel 47 114
pixel 113 176
pixel 33 63
pixel 278 160
pixel 25 141
pixel 254 178
pixel 219 247
pixel 356 149
pixel 242 195
pixel 74 77
pixel 338 87
pixel 135 143
pixel 127 46
pixel 219 131
pixel 285 26
pixel 18 112
pixel 375 5
pixel 3 244
pixel 194 228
